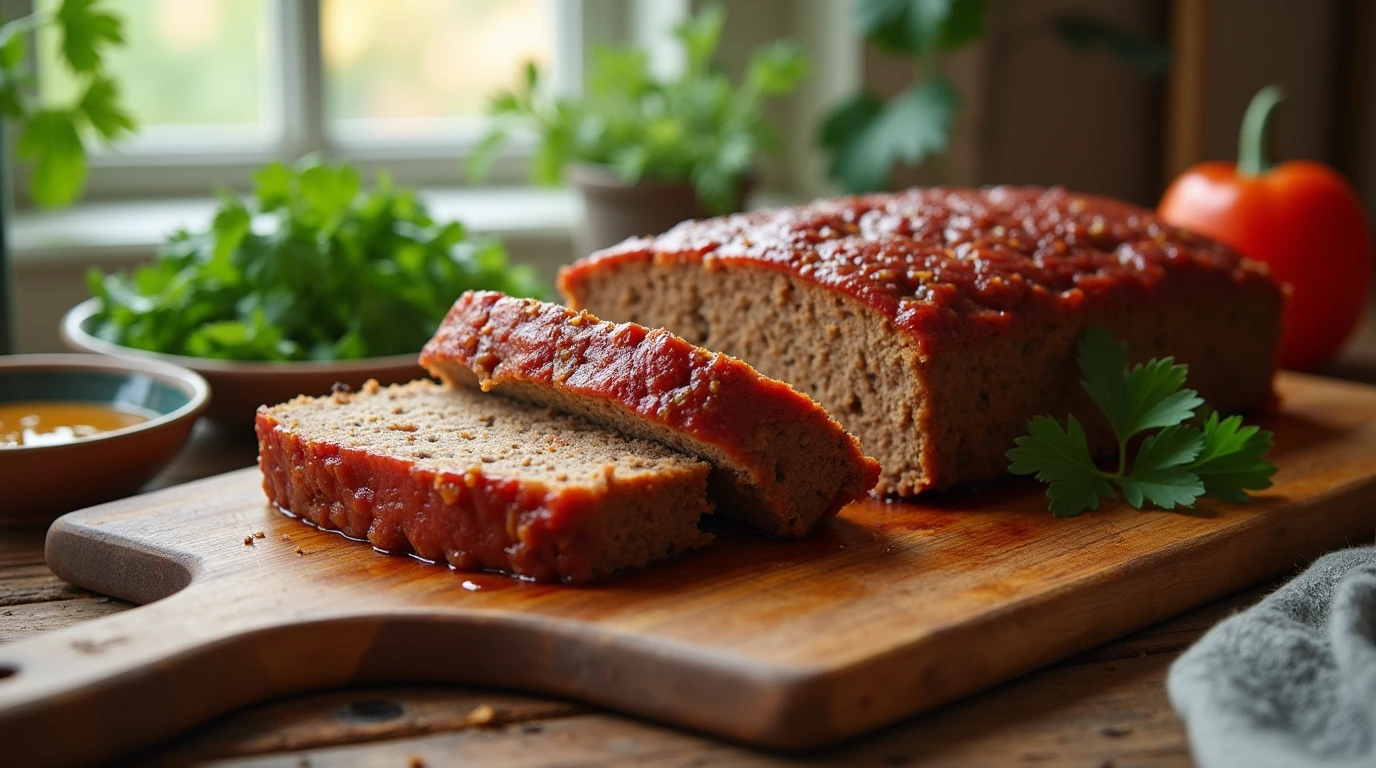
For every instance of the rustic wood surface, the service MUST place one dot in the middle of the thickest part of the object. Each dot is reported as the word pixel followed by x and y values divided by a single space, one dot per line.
pixel 1103 707
pixel 889 610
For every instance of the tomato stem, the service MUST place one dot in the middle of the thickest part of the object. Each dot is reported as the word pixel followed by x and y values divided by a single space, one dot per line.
pixel 1256 131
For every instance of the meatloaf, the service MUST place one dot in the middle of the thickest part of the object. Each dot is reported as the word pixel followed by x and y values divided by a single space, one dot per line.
pixel 481 482
pixel 781 462
pixel 933 323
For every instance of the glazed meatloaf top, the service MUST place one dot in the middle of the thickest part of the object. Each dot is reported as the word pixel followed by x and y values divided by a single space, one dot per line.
pixel 955 265
pixel 782 460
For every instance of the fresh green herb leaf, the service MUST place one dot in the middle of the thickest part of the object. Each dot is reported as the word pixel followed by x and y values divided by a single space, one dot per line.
pixel 51 142
pixel 101 107
pixel 14 44
pixel 1159 474
pixel 869 138
pixel 1231 461
pixel 918 27
pixel 1147 396
pixel 838 135
pixel 1060 456
pixel 328 272
pixel 1173 466
pixel 86 30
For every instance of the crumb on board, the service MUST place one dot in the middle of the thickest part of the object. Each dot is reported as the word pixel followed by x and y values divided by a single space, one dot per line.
pixel 259 535
pixel 300 551
pixel 483 714
pixel 248 541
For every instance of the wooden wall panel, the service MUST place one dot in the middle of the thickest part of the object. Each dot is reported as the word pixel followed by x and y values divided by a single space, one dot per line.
pixel 1254 43
pixel 1062 117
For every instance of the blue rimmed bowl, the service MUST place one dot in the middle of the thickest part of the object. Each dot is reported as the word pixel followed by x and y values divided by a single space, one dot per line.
pixel 41 482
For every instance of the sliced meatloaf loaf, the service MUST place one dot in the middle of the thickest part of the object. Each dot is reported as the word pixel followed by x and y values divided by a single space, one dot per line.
pixel 481 482
pixel 781 462
pixel 933 323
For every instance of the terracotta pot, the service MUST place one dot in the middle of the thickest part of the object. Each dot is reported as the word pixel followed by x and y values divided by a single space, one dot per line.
pixel 615 210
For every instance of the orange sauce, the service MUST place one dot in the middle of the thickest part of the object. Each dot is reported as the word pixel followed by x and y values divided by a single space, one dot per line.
pixel 54 422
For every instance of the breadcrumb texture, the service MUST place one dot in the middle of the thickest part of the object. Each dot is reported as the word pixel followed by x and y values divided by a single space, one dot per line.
pixel 933 323
pixel 781 462
pixel 481 482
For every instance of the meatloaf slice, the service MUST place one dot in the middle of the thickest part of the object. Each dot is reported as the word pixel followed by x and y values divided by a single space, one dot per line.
pixel 782 463
pixel 481 482
pixel 933 323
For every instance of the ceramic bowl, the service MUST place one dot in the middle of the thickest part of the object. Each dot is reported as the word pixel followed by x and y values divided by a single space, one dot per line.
pixel 240 387
pixel 44 481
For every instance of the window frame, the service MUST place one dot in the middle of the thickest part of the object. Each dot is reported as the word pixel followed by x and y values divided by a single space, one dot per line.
pixel 296 87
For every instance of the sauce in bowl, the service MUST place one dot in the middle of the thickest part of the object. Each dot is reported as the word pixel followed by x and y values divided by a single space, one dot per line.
pixel 56 422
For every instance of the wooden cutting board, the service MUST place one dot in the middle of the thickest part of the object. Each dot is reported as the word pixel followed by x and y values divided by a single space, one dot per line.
pixel 888 610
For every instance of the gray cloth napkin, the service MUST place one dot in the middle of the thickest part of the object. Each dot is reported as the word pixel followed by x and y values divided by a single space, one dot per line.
pixel 1290 682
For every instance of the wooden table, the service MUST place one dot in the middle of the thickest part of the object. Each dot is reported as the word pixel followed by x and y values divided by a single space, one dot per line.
pixel 1105 707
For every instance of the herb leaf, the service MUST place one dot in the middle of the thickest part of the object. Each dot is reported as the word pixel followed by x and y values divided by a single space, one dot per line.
pixel 86 30
pixel 1173 466
pixel 1060 456
pixel 1159 475
pixel 1230 461
pixel 51 141
pixel 1147 396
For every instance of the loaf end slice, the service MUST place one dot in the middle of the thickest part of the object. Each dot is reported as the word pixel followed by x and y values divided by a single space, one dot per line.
pixel 781 462
pixel 481 483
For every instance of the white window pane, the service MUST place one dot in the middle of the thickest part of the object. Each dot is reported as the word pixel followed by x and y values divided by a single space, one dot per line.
pixel 184 62
pixel 412 67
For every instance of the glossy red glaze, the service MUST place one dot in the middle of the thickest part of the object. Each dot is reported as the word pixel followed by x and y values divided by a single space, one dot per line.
pixel 703 396
pixel 470 520
pixel 955 265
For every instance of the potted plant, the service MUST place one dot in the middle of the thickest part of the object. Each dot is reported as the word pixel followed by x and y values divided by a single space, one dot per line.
pixel 648 153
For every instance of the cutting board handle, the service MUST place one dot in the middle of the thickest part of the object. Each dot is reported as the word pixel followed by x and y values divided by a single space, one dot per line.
pixel 104 687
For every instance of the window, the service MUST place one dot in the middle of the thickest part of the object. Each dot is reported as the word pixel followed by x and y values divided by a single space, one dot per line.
pixel 221 86
pixel 425 67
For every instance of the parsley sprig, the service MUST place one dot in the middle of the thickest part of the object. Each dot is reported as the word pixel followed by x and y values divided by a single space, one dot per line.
pixel 1174 465
pixel 312 267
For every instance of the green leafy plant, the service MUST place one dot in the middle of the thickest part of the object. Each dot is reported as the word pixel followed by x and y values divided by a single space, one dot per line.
pixel 55 138
pixel 865 137
pixel 1176 462
pixel 313 268
pixel 697 129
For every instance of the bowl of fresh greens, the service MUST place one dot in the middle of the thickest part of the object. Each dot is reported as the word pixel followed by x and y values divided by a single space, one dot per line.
pixel 312 281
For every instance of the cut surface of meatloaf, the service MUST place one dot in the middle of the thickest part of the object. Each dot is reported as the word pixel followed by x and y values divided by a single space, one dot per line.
pixel 781 462
pixel 482 483
pixel 933 323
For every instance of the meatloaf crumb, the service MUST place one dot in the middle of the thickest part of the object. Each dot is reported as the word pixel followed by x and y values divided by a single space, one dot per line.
pixel 625 502
pixel 934 323
pixel 781 462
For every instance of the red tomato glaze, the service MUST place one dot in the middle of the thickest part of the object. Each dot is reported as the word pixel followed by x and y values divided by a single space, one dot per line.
pixel 703 396
pixel 953 265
